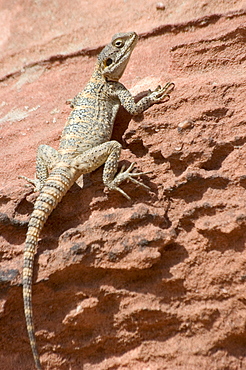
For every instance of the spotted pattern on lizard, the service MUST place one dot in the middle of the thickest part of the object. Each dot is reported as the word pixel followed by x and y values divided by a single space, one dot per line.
pixel 85 145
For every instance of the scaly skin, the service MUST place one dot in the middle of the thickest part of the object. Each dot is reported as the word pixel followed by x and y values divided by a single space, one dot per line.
pixel 85 145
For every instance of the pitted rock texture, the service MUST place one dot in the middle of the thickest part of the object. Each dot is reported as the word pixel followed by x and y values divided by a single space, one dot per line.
pixel 157 282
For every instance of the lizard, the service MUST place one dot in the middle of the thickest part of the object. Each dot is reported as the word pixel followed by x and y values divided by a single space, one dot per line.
pixel 84 146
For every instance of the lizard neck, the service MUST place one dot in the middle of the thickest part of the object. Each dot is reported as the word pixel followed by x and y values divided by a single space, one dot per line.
pixel 97 74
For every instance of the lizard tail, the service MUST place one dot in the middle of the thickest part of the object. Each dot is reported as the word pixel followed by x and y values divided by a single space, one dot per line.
pixel 59 181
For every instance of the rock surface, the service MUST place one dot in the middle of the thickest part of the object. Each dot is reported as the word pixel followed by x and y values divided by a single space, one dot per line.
pixel 153 283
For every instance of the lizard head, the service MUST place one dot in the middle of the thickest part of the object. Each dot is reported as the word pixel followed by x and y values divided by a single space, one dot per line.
pixel 114 57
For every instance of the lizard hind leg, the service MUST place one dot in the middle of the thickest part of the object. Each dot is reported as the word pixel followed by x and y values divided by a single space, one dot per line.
pixel 113 180
pixel 107 153
pixel 123 175
pixel 47 157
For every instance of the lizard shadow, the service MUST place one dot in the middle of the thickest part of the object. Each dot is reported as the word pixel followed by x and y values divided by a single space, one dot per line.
pixel 11 229
pixel 123 119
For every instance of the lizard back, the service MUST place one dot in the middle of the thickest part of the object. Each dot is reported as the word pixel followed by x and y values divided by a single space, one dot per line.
pixel 91 121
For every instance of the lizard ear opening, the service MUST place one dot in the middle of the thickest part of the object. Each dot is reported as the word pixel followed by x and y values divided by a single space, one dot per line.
pixel 108 61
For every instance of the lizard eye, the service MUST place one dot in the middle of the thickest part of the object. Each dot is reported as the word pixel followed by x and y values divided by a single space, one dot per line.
pixel 119 43
pixel 108 62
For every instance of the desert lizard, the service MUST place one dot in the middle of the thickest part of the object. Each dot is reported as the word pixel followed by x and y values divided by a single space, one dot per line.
pixel 85 145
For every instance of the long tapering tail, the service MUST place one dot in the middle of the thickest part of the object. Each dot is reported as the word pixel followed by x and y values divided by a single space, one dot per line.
pixel 59 181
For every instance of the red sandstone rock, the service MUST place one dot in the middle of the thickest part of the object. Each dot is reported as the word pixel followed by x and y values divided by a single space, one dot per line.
pixel 153 283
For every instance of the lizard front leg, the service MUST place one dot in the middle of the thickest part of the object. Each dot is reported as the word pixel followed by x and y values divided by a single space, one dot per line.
pixel 159 95
pixel 108 154
pixel 47 157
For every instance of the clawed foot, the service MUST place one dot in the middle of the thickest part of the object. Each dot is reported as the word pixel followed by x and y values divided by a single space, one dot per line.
pixel 32 182
pixel 162 94
pixel 127 175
